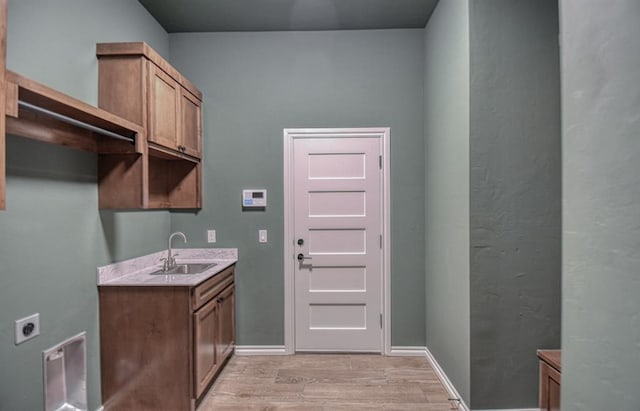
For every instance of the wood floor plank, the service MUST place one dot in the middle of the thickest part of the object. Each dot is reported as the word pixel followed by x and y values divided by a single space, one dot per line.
pixel 365 393
pixel 381 363
pixel 317 361
pixel 408 375
pixel 330 376
pixel 271 391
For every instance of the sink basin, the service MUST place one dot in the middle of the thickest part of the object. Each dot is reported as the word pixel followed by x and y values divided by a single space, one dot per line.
pixel 184 269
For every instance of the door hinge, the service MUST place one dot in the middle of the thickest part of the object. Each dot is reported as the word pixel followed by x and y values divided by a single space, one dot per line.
pixel 380 240
pixel 380 320
pixel 380 161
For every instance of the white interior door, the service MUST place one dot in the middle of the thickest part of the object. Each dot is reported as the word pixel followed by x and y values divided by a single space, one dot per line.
pixel 338 248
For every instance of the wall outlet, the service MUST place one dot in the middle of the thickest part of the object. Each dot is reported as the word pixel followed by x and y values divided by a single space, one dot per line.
pixel 27 328
pixel 211 236
pixel 262 236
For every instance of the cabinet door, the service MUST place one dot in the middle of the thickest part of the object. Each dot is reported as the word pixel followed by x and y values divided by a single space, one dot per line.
pixel 549 397
pixel 190 124
pixel 227 324
pixel 164 101
pixel 205 325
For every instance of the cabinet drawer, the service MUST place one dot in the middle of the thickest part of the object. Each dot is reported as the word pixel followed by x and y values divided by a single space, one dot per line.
pixel 210 288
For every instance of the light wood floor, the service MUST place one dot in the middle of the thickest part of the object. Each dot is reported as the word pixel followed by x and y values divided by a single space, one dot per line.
pixel 323 382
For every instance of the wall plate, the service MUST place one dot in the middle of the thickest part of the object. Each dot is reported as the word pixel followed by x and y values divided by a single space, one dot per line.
pixel 27 328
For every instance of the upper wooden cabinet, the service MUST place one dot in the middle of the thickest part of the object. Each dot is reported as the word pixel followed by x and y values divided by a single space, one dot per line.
pixel 136 83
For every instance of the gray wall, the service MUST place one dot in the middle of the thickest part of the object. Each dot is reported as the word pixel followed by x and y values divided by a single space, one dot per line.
pixel 601 193
pixel 256 84
pixel 515 197
pixel 446 129
pixel 52 235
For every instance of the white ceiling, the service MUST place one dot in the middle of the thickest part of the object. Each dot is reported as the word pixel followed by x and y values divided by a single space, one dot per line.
pixel 268 15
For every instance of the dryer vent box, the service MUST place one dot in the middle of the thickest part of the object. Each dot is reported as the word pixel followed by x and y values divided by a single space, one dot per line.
pixel 65 375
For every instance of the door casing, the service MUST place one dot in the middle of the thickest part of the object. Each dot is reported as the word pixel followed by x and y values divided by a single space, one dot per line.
pixel 290 135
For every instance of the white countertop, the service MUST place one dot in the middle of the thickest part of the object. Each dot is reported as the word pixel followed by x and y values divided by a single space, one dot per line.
pixel 137 271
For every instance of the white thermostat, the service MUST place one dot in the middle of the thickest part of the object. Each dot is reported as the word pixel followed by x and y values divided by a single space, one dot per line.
pixel 254 198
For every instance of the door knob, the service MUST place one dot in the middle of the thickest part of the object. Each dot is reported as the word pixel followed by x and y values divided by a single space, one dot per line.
pixel 302 257
pixel 300 241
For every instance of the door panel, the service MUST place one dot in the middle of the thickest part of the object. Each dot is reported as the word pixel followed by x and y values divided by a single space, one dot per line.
pixel 337 215
pixel 337 316
pixel 337 241
pixel 337 166
pixel 205 359
pixel 337 279
pixel 337 204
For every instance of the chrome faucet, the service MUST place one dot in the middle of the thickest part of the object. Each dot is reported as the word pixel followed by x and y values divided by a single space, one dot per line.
pixel 170 261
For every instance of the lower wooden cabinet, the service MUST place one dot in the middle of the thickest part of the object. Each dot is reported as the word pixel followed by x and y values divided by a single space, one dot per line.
pixel 161 347
pixel 550 371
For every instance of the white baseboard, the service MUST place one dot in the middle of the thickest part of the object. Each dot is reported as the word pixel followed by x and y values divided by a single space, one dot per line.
pixel 261 350
pixel 448 385
pixel 513 409
pixel 408 351
pixel 101 408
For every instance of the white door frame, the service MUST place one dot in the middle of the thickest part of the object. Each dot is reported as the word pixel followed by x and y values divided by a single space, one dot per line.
pixel 290 134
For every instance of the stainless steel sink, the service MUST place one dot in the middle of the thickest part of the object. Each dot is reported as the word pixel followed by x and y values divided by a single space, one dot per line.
pixel 184 269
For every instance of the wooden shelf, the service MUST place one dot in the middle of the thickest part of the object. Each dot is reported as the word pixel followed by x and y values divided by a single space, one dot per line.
pixel 23 121
pixel 36 111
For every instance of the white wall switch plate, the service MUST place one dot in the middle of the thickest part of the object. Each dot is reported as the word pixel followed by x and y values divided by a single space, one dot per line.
pixel 211 236
pixel 262 236
pixel 27 328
